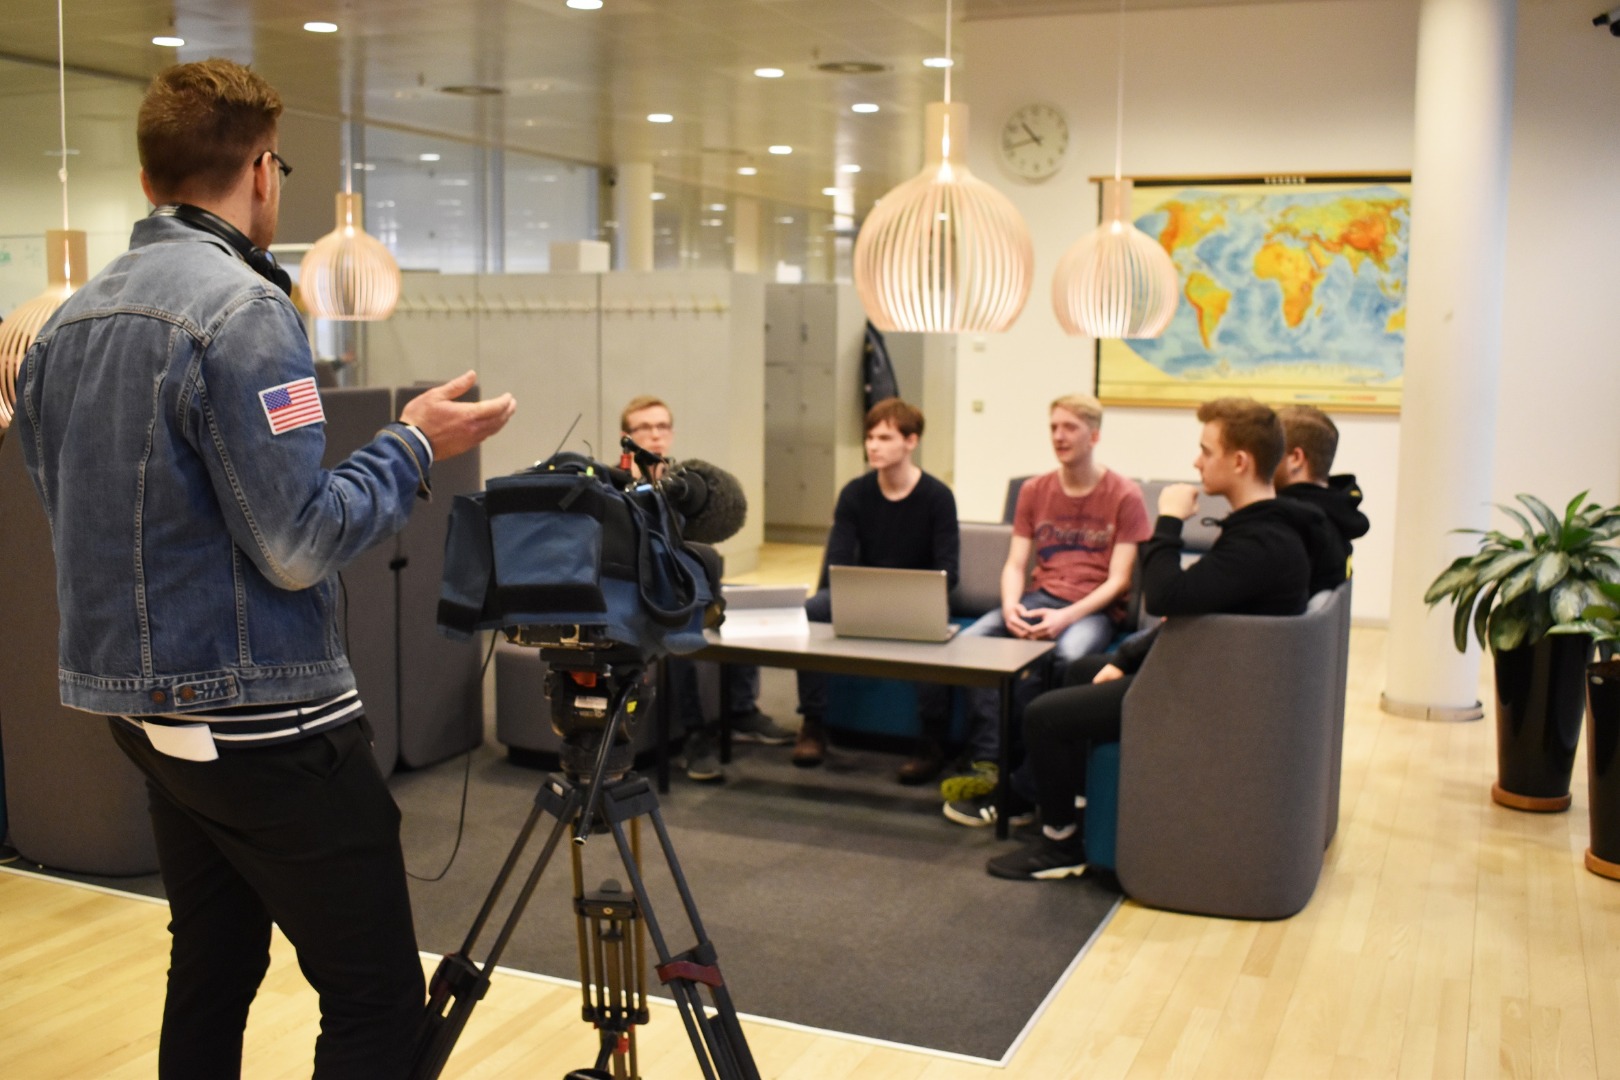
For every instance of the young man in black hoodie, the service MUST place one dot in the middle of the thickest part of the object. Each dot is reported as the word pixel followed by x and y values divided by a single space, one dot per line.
pixel 1304 471
pixel 1271 556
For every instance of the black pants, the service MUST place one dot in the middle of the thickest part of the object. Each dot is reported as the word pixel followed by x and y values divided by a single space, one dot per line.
pixel 933 699
pixel 304 834
pixel 1060 727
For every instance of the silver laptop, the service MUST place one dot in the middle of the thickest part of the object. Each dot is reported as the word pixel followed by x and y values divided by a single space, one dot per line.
pixel 901 605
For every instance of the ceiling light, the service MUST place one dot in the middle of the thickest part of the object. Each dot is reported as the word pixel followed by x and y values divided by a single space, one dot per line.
pixel 944 251
pixel 321 27
pixel 849 168
pixel 938 62
pixel 347 274
pixel 428 157
pixel 66 266
pixel 781 149
pixel 829 191
pixel 584 5
pixel 717 207
pixel 864 107
pixel 769 73
pixel 784 221
pixel 168 42
pixel 658 196
pixel 1116 281
pixel 747 170
pixel 660 118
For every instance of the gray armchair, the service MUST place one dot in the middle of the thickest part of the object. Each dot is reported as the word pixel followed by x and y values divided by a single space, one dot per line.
pixel 1226 762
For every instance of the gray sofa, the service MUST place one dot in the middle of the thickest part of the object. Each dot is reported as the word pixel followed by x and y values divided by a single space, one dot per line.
pixel 1228 762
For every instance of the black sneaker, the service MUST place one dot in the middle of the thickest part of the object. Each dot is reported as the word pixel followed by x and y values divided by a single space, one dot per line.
pixel 702 759
pixel 1044 860
pixel 756 727
pixel 979 812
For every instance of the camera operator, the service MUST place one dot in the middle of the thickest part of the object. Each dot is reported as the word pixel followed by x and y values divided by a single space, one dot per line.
pixel 171 426
pixel 650 423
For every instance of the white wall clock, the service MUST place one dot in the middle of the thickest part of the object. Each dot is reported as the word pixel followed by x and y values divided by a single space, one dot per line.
pixel 1034 140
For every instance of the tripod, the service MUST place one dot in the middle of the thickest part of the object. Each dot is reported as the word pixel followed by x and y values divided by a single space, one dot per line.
pixel 612 928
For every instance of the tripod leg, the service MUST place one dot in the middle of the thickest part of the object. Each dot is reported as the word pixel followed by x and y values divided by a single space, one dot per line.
pixel 613 982
pixel 460 983
pixel 719 1041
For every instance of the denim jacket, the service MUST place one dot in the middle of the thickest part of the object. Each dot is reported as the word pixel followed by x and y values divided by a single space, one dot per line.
pixel 196 551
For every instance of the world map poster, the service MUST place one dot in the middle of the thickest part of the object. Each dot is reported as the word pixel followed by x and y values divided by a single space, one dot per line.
pixel 1292 290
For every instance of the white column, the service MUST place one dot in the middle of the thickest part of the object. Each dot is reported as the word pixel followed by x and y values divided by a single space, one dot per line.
pixel 1453 339
pixel 745 236
pixel 633 209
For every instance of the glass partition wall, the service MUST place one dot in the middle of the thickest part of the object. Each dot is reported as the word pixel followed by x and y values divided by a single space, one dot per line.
pixel 439 203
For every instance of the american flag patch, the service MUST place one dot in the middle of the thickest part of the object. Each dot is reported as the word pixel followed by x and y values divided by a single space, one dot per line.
pixel 292 405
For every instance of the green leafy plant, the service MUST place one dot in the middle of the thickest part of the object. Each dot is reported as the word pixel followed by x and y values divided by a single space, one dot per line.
pixel 1516 590
pixel 1601 620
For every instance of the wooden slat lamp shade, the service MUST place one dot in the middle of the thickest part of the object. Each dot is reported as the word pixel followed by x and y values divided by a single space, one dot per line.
pixel 944 251
pixel 66 269
pixel 348 274
pixel 1116 281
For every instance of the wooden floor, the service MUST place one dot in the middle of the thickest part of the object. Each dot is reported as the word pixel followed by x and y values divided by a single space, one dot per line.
pixel 1448 938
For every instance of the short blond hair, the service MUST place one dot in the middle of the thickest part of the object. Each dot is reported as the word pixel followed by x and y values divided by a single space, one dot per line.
pixel 645 401
pixel 1084 406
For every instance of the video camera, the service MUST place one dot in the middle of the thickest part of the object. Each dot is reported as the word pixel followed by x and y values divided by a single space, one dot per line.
pixel 601 571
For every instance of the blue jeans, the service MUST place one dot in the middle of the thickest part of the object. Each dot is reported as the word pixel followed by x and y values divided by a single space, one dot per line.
pixel 1088 635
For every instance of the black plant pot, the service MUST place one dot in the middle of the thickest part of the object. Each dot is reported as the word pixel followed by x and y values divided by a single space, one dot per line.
pixel 1540 700
pixel 1603 767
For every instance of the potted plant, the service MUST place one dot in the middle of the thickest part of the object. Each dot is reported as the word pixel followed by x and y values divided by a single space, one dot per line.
pixel 1512 592
pixel 1601 622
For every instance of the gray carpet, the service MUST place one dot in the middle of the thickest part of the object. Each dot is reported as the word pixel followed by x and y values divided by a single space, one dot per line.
pixel 835 897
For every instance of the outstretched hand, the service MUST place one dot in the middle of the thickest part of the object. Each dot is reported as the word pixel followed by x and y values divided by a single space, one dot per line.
pixel 454 427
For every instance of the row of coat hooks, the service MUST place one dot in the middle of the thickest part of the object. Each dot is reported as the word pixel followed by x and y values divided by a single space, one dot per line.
pixel 462 305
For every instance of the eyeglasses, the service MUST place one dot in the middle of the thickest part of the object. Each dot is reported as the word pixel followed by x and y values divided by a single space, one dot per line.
pixel 660 429
pixel 286 169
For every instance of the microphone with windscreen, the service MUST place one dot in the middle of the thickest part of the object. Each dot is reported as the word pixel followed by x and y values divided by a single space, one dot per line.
pixel 709 499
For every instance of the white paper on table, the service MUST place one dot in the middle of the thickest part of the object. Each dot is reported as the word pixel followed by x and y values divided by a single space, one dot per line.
pixel 742 623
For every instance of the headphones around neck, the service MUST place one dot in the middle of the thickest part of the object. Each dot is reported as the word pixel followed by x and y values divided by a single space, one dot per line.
pixel 262 262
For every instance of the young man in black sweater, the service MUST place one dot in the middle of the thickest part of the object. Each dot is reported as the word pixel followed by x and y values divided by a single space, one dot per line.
pixel 1271 556
pixel 897 516
pixel 1303 473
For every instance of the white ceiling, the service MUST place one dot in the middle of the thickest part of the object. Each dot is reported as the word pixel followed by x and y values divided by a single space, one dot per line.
pixel 574 84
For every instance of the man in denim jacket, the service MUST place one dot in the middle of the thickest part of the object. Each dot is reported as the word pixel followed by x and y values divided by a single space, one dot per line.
pixel 170 423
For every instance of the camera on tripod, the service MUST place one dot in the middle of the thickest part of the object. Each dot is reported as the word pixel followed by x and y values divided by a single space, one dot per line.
pixel 601 571
pixel 604 573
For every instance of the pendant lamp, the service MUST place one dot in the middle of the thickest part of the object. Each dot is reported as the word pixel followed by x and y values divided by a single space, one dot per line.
pixel 1116 281
pixel 65 267
pixel 348 274
pixel 944 251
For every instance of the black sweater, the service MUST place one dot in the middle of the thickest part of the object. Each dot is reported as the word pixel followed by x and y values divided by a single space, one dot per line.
pixel 918 532
pixel 1270 557
pixel 1340 501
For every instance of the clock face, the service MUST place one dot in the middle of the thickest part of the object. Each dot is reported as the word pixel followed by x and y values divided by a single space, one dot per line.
pixel 1033 142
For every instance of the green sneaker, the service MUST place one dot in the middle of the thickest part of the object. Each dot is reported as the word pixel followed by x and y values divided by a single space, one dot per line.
pixel 976 784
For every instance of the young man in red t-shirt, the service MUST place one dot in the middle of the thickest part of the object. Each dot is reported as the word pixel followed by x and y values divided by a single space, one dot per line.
pixel 1082 523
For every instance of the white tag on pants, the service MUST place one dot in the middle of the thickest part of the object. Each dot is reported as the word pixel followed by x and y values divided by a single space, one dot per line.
pixel 191 742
